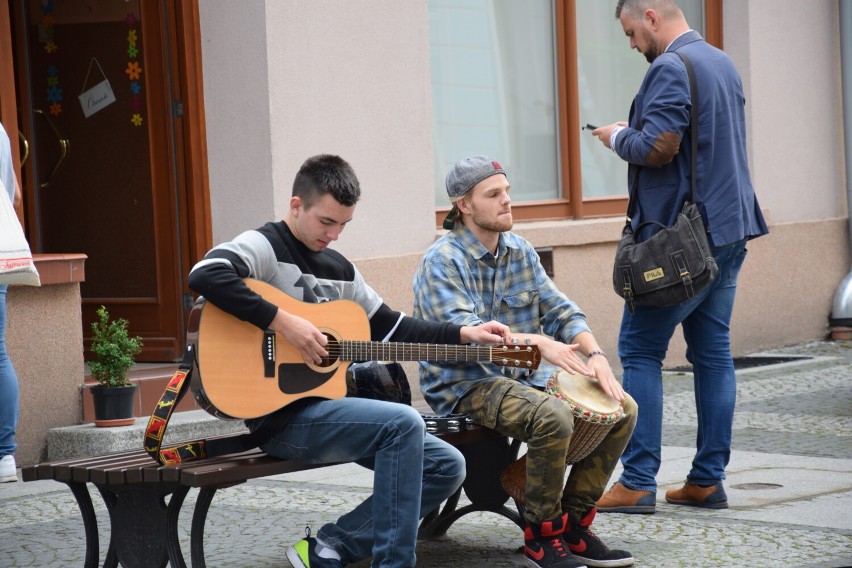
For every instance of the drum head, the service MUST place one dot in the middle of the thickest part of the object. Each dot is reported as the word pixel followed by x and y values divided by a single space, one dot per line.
pixel 583 391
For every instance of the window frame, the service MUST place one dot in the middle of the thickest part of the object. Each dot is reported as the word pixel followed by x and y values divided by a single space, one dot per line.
pixel 571 204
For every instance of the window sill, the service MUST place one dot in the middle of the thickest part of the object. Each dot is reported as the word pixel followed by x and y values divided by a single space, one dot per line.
pixel 60 268
pixel 568 232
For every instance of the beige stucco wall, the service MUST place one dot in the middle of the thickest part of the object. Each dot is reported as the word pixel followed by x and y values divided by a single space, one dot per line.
pixel 285 80
pixel 347 78
pixel 793 98
pixel 45 343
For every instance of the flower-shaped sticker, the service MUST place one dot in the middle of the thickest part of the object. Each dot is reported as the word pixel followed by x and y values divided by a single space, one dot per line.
pixel 55 109
pixel 50 47
pixel 135 87
pixel 136 119
pixel 131 37
pixel 54 94
pixel 132 51
pixel 130 19
pixel 134 71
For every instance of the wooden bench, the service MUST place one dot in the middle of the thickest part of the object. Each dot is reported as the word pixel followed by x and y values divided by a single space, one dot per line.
pixel 144 530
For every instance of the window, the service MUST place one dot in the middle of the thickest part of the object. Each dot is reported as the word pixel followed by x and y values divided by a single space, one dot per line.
pixel 516 81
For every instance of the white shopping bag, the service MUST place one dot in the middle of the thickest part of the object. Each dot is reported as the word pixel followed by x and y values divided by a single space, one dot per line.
pixel 16 260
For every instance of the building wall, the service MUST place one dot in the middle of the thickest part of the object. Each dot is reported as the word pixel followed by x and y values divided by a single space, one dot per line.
pixel 323 77
pixel 353 79
pixel 792 83
pixel 45 343
pixel 286 80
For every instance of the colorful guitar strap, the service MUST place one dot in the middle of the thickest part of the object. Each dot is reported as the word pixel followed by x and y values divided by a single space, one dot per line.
pixel 194 449
pixel 156 430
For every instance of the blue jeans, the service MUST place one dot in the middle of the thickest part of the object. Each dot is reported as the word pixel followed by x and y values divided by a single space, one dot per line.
pixel 642 345
pixel 414 472
pixel 8 387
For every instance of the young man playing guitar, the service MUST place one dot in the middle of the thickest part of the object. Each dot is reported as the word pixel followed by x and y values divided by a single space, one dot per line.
pixel 413 471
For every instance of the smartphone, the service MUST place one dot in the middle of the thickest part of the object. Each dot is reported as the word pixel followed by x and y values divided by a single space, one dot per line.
pixel 589 127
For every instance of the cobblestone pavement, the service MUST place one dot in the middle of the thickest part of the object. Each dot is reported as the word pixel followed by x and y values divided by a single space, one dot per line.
pixel 789 484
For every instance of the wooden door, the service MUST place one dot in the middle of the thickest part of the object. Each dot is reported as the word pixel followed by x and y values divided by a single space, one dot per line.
pixel 106 177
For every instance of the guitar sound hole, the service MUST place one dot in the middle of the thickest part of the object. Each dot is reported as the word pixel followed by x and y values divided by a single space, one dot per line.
pixel 333 348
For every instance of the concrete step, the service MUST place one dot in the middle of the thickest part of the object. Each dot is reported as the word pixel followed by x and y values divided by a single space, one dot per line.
pixel 89 440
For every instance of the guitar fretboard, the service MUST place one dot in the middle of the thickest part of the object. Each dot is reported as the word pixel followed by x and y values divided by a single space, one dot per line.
pixel 379 351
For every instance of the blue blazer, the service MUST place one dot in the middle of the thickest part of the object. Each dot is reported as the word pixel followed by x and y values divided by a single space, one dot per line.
pixel 660 131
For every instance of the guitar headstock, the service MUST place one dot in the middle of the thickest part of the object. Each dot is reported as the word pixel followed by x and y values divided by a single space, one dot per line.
pixel 520 356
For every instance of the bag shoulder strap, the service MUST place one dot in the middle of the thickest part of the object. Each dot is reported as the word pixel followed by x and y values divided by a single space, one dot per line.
pixel 693 123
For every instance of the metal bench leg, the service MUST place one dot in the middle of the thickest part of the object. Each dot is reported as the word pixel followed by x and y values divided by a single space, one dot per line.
pixel 90 521
pixel 138 524
pixel 485 460
pixel 433 525
pixel 172 516
pixel 199 518
pixel 111 560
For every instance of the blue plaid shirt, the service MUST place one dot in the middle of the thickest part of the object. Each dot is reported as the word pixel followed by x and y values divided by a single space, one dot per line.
pixel 459 281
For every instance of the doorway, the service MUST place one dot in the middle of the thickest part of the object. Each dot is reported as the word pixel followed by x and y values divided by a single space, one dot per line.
pixel 111 163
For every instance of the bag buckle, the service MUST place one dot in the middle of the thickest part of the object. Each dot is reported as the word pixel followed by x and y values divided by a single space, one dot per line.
pixel 684 273
pixel 627 289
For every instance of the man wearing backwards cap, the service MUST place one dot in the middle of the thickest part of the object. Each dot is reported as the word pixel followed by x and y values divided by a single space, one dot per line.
pixel 481 271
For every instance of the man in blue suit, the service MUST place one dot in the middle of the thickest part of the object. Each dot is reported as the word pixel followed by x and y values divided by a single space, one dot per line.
pixel 656 142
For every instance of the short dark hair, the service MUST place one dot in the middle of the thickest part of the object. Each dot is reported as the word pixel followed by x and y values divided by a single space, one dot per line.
pixel 634 8
pixel 323 174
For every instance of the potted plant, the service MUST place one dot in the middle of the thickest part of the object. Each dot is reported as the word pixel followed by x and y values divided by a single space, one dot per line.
pixel 114 395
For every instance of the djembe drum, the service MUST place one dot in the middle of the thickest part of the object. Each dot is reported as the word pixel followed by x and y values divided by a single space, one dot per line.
pixel 595 413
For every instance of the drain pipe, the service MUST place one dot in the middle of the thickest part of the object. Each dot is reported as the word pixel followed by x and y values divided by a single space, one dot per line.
pixel 841 309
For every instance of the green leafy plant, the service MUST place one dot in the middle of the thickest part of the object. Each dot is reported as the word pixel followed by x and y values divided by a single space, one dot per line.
pixel 114 349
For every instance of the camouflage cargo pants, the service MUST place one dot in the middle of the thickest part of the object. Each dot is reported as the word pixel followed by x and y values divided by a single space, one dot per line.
pixel 546 424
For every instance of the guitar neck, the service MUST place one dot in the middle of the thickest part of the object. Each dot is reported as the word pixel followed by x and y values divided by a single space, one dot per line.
pixel 504 355
pixel 379 351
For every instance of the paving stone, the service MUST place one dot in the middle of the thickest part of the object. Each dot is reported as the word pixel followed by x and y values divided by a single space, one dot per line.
pixel 792 429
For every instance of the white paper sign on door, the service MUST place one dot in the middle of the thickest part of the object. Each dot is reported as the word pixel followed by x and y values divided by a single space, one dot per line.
pixel 98 97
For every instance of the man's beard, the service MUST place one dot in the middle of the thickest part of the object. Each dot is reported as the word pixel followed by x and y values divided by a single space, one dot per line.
pixel 653 51
pixel 499 225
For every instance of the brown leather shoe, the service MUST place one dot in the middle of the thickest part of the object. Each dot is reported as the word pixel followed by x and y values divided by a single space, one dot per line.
pixel 712 497
pixel 620 499
pixel 513 479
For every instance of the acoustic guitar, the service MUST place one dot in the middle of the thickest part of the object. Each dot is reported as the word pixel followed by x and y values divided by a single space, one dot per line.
pixel 245 372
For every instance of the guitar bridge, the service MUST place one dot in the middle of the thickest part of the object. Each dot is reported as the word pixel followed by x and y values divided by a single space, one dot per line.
pixel 268 353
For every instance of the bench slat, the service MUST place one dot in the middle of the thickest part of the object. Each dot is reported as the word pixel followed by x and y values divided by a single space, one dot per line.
pixel 84 472
pixel 232 471
pixel 174 473
pixel 125 472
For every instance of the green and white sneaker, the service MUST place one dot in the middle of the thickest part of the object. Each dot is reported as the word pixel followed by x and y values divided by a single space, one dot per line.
pixel 308 553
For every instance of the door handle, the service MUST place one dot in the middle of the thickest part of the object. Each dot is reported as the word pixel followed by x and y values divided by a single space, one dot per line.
pixel 64 148
pixel 26 148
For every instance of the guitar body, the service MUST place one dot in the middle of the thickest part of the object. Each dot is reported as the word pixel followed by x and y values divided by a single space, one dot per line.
pixel 244 372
